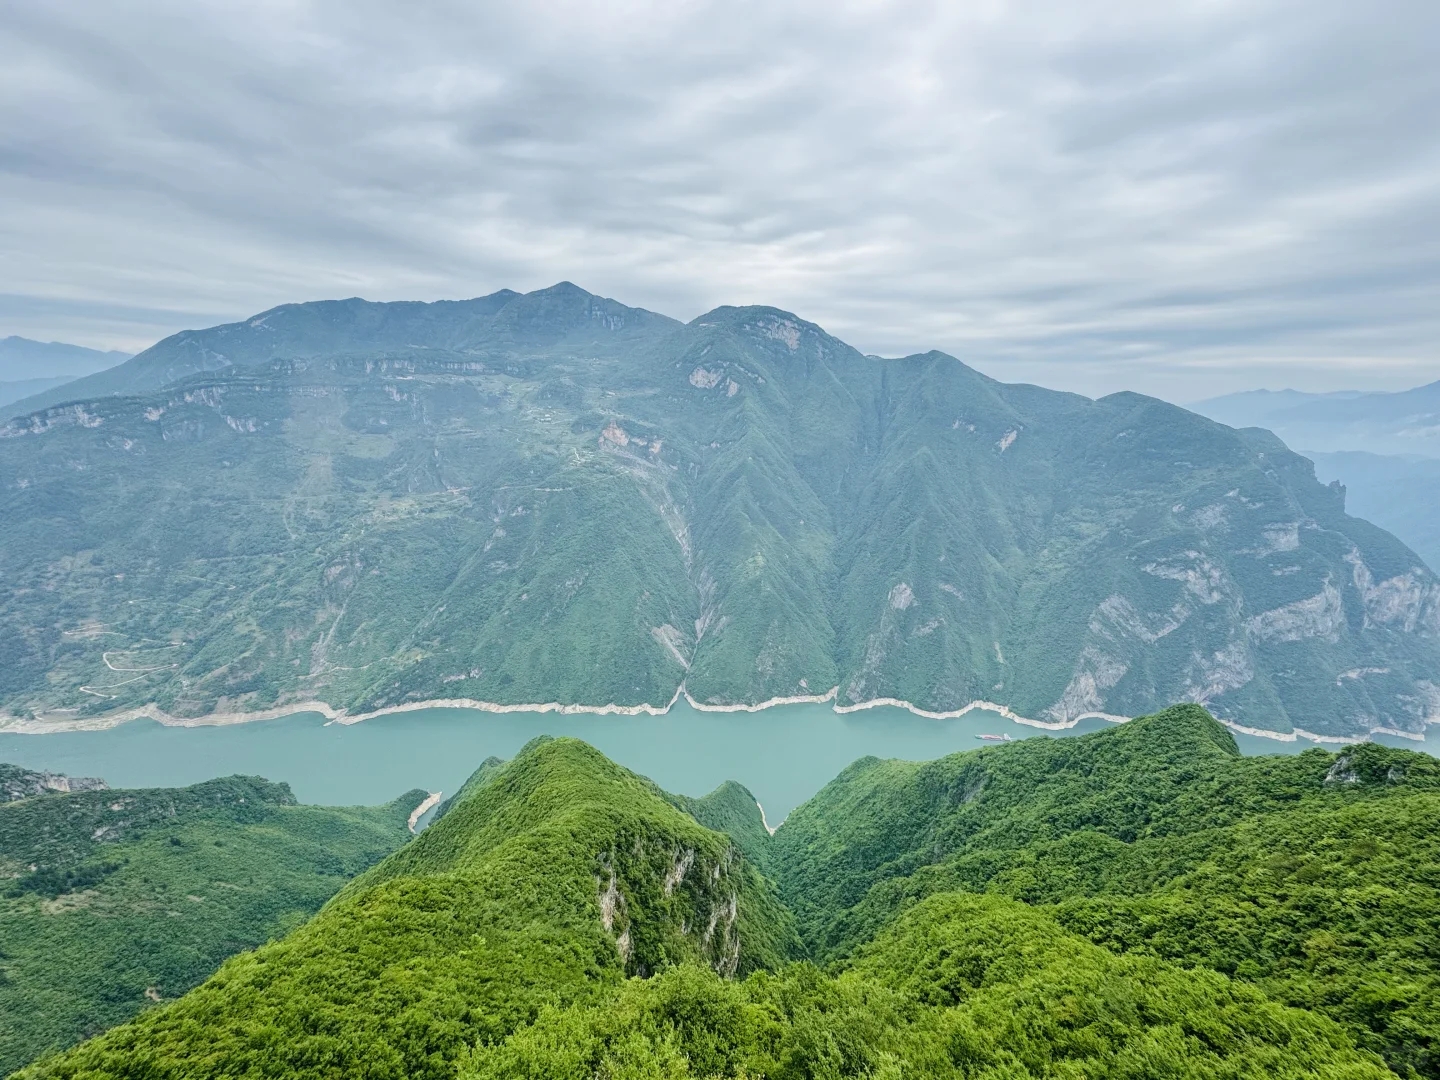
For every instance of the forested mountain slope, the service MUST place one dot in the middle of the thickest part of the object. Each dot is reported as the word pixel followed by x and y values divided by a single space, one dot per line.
pixel 554 498
pixel 1315 877
pixel 547 882
pixel 114 900
pixel 498 944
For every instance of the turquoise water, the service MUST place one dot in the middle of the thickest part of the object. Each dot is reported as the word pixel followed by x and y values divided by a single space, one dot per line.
pixel 783 754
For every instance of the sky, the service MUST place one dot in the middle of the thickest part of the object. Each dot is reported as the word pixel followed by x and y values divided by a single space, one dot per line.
pixel 1185 199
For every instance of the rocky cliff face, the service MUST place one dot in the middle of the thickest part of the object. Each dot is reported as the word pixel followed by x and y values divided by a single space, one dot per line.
pixel 17 783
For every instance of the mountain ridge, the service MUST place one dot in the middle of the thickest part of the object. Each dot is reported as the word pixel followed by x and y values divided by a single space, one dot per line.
pixel 290 330
pixel 26 359
pixel 1140 901
pixel 589 505
pixel 1385 422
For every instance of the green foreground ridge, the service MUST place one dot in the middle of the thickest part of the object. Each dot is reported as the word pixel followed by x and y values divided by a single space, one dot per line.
pixel 1141 902
pixel 113 900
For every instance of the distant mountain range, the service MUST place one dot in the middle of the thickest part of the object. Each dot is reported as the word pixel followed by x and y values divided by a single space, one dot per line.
pixel 1406 423
pixel 29 368
pixel 21 358
pixel 555 498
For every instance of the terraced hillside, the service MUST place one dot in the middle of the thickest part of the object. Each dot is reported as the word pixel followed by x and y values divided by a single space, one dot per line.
pixel 555 498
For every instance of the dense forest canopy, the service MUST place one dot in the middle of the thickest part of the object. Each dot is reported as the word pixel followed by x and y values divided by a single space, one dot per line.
pixel 1139 902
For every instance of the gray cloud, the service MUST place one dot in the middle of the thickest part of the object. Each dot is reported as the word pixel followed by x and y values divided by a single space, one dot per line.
pixel 1182 198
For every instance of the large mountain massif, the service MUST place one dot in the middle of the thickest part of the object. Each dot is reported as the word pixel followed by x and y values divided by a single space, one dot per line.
pixel 1141 902
pixel 552 497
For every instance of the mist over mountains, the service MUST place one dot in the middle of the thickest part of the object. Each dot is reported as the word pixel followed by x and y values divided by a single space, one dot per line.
pixel 1383 447
pixel 1406 423
pixel 553 497
pixel 21 358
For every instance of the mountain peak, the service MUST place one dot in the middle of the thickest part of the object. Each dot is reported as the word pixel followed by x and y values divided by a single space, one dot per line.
pixel 561 288
pixel 742 314
pixel 1181 729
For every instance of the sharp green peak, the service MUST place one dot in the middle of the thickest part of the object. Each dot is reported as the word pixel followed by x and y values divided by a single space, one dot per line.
pixel 732 809
pixel 556 875
pixel 1184 729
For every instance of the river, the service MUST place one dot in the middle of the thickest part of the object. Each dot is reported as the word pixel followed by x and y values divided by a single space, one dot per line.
pixel 783 754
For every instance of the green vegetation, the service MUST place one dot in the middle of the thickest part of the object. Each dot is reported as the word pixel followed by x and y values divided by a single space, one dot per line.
pixel 1314 877
pixel 1137 903
pixel 113 900
pixel 548 883
pixel 732 809
pixel 959 987
pixel 554 497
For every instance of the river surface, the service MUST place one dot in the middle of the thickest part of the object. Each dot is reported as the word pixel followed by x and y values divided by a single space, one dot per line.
pixel 783 754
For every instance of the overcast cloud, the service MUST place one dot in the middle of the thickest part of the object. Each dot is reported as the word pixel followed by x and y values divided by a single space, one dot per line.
pixel 1182 198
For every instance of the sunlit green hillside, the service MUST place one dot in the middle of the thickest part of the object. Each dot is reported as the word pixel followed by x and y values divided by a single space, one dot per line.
pixel 547 883
pixel 1314 877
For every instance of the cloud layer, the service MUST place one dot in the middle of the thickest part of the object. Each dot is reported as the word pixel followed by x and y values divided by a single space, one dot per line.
pixel 1182 198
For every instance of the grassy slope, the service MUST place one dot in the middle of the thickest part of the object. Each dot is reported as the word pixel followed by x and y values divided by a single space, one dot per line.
pixel 1314 876
pixel 119 898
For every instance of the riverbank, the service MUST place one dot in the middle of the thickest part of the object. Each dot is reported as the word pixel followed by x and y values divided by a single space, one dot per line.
pixel 61 724
pixel 432 799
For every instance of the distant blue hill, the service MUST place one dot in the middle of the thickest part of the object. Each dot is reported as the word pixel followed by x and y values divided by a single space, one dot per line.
pixel 20 389
pixel 1407 422
pixel 23 360
pixel 29 368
